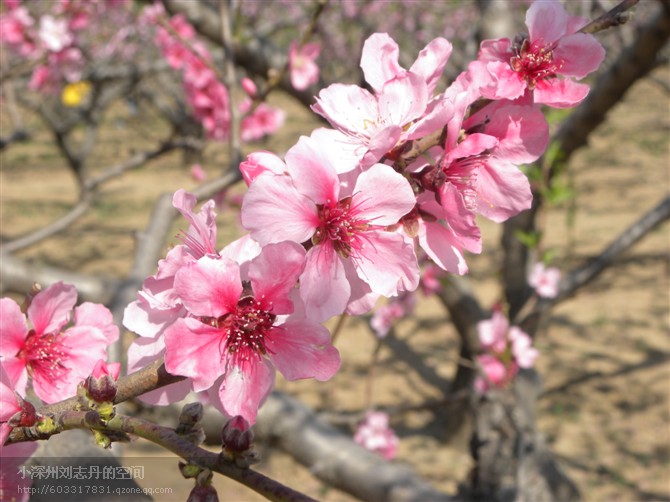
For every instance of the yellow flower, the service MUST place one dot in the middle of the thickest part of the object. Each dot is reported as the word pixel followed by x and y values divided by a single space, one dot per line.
pixel 75 93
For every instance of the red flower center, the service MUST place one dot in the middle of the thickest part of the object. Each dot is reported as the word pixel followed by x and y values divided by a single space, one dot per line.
pixel 534 62
pixel 341 226
pixel 43 354
pixel 245 331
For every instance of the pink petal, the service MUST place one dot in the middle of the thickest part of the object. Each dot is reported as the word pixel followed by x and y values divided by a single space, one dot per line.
pixel 209 287
pixel 274 274
pixel 348 108
pixel 312 171
pixel 17 373
pixel 431 62
pixel 580 55
pixel 346 149
pixel 50 310
pixel 262 162
pixel 323 285
pixel 144 351
pixel 98 316
pixel 382 196
pixel 473 144
pixel 387 263
pixel 560 93
pixel 13 328
pixel 202 231
pixel 443 248
pixel 193 349
pixel 403 99
pixel 302 349
pixel 274 211
pixel 244 389
pixel 547 21
pixel 460 218
pixel 379 60
pixel 147 321
pixel 522 131
pixel 503 191
pixel 380 143
pixel 9 404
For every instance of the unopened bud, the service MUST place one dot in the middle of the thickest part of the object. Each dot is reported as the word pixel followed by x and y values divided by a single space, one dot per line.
pixel 206 493
pixel 237 435
pixel 190 415
pixel 101 383
pixel 27 417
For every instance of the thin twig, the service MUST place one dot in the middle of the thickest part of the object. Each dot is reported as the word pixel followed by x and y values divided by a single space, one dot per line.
pixel 614 17
pixel 234 141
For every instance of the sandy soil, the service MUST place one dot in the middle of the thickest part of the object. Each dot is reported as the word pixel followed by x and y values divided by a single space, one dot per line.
pixel 605 353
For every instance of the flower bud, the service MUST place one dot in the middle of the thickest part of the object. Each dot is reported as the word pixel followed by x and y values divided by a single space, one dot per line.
pixel 206 493
pixel 101 384
pixel 190 415
pixel 27 417
pixel 237 435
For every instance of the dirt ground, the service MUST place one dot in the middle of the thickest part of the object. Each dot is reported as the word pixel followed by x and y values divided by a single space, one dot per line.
pixel 604 353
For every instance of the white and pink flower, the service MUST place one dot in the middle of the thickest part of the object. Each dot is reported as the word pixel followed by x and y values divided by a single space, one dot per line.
pixel 545 280
pixel 303 69
pixel 351 254
pixel 376 435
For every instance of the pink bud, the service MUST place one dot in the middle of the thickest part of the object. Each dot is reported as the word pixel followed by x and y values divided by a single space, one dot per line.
pixel 237 435
pixel 249 87
pixel 101 384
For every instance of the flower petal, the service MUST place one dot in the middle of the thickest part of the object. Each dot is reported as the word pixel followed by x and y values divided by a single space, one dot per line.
pixel 302 349
pixel 382 196
pixel 323 285
pixel 274 211
pixel 193 349
pixel 274 274
pixel 379 60
pixel 209 287
pixel 312 171
pixel 243 390
pixel 13 328
pixel 50 310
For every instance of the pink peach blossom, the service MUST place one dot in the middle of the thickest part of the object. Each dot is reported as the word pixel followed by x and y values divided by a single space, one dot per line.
pixel 544 280
pixel 54 33
pixel 55 356
pixel 375 434
pixel 238 334
pixel 303 69
pixel 532 63
pixel 505 349
pixel 351 251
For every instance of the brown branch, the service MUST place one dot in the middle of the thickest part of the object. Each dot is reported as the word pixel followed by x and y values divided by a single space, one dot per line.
pixel 257 56
pixel 234 141
pixel 19 275
pixel 632 64
pixel 581 276
pixel 615 17
pixel 88 195
pixel 334 458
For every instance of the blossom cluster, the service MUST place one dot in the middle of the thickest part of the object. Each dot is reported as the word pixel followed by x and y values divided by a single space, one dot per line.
pixel 505 349
pixel 207 96
pixel 338 222
pixel 51 349
pixel 57 38
pixel 334 225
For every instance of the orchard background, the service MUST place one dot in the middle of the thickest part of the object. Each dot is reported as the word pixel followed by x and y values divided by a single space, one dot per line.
pixel 603 353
